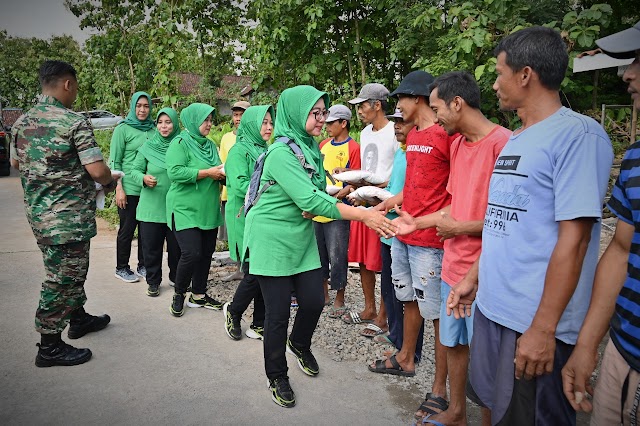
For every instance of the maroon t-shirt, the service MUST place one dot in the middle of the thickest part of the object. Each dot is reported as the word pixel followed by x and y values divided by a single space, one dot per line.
pixel 425 185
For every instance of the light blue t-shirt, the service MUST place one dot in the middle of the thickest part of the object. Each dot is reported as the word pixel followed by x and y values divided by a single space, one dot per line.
pixel 396 182
pixel 555 170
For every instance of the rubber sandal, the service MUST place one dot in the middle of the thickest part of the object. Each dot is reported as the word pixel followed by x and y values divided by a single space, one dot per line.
pixel 372 327
pixel 395 369
pixel 337 312
pixel 352 317
pixel 383 339
pixel 430 402
pixel 426 420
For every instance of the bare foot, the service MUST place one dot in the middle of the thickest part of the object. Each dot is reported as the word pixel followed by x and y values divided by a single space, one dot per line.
pixel 236 276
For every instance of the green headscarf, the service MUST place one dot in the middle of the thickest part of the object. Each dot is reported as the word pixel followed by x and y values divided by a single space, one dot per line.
pixel 293 109
pixel 199 146
pixel 155 149
pixel 249 129
pixel 131 118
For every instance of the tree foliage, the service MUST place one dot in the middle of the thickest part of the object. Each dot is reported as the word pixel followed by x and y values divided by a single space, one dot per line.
pixel 21 59
pixel 336 46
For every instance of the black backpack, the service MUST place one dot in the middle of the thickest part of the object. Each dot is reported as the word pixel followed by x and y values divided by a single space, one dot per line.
pixel 255 191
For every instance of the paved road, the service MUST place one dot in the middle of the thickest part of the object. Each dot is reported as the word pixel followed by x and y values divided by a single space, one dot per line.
pixel 151 368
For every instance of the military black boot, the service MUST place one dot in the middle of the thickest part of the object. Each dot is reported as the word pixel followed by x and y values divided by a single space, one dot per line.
pixel 82 323
pixel 53 351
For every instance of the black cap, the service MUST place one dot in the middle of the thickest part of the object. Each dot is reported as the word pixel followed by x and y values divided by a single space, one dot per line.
pixel 416 83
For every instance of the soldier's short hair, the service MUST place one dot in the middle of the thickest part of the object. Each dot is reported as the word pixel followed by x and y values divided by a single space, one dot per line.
pixel 52 71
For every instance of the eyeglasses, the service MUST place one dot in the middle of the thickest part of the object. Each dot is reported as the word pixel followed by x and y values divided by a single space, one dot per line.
pixel 320 115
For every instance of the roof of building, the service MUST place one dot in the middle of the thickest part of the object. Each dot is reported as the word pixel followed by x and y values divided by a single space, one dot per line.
pixel 189 83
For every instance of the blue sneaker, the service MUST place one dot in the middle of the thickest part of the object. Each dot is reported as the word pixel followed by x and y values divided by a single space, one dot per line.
pixel 141 271
pixel 126 275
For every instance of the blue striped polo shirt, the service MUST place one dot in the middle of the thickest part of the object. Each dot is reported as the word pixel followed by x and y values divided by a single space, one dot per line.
pixel 625 203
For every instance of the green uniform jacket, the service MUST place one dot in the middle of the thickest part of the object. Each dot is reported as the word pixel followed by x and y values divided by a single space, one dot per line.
pixel 123 150
pixel 239 167
pixel 152 206
pixel 279 241
pixel 192 203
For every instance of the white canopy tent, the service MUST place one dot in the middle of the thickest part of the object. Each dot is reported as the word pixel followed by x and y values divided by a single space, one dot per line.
pixel 600 61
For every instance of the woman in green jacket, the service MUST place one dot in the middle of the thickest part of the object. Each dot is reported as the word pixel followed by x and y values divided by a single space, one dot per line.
pixel 149 170
pixel 193 205
pixel 255 130
pixel 136 129
pixel 280 243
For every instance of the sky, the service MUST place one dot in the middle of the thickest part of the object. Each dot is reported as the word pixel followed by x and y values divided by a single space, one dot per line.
pixel 40 19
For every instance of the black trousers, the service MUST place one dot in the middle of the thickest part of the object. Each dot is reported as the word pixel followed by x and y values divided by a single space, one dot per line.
pixel 196 248
pixel 155 235
pixel 248 290
pixel 277 299
pixel 127 228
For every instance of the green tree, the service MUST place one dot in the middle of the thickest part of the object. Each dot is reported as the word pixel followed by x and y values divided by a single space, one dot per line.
pixel 21 60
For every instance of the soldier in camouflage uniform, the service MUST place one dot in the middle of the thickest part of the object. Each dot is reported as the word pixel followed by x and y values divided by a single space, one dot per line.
pixel 59 160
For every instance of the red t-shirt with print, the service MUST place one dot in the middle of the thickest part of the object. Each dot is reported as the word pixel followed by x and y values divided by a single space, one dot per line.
pixel 425 185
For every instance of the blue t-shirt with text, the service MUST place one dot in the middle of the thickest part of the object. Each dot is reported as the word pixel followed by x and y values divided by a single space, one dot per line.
pixel 555 170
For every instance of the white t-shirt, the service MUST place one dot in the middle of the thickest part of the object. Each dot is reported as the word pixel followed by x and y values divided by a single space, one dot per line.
pixel 377 150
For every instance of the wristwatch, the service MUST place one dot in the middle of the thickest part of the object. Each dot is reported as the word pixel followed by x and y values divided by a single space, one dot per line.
pixel 111 185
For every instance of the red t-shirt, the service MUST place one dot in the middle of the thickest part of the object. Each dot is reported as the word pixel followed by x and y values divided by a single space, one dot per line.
pixel 425 185
pixel 471 168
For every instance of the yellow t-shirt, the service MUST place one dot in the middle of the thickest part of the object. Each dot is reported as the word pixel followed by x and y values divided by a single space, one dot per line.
pixel 341 154
pixel 228 140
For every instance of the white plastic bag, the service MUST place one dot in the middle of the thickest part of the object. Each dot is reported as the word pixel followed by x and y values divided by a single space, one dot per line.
pixel 370 194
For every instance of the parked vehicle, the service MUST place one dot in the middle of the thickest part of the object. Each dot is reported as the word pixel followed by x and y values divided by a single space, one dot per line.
pixel 5 164
pixel 101 119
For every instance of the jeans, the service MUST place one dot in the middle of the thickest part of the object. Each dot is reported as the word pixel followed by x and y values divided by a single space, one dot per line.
pixel 196 248
pixel 248 290
pixel 155 235
pixel 277 299
pixel 333 242
pixel 128 224
pixel 395 308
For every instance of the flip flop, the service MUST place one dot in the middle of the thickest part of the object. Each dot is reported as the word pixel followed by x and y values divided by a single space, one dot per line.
pixel 431 422
pixel 352 317
pixel 430 402
pixel 337 312
pixel 395 369
pixel 383 339
pixel 376 331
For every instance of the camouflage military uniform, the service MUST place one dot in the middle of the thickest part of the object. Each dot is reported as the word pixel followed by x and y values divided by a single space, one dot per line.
pixel 52 144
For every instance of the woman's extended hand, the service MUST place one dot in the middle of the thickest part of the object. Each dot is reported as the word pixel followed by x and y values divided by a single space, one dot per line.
pixel 377 221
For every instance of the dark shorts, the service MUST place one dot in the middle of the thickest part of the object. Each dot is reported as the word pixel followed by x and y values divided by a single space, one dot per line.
pixel 492 382
pixel 333 243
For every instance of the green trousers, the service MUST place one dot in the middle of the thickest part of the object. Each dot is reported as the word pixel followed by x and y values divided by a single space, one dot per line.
pixel 66 267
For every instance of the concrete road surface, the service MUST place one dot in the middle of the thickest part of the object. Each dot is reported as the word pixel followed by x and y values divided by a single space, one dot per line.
pixel 151 368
